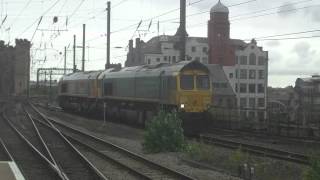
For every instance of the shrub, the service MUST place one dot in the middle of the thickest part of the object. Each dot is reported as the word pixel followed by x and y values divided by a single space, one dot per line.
pixel 164 133
pixel 200 152
pixel 313 173
pixel 238 157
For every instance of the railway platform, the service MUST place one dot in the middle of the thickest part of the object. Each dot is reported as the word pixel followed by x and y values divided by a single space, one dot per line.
pixel 10 171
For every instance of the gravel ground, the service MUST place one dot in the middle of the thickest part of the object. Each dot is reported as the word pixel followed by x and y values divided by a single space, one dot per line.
pixel 303 147
pixel 131 138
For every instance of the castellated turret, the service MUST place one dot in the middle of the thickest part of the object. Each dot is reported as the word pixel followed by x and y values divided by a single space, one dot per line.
pixel 21 66
pixel 14 68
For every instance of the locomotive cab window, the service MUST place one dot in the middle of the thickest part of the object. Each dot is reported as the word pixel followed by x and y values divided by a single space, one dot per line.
pixel 64 87
pixel 186 82
pixel 203 82
pixel 108 89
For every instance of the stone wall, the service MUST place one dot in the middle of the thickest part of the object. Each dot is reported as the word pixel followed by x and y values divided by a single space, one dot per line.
pixel 14 68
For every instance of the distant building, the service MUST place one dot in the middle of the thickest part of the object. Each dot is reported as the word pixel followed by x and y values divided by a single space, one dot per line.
pixel 308 90
pixel 283 103
pixel 245 65
pixel 163 49
pixel 14 68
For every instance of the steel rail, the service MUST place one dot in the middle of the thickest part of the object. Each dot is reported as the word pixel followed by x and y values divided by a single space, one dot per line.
pixel 34 149
pixel 107 157
pixel 265 135
pixel 53 160
pixel 175 173
pixel 256 149
pixel 5 150
pixel 69 144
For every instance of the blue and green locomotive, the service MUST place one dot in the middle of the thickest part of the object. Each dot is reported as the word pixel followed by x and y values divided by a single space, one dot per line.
pixel 184 87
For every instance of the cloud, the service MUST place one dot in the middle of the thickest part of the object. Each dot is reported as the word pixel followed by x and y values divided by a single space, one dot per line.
pixel 293 71
pixel 303 51
pixel 273 43
pixel 275 57
pixel 286 9
pixel 302 56
pixel 314 13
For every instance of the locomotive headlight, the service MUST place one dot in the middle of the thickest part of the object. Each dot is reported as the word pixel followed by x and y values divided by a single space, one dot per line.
pixel 182 106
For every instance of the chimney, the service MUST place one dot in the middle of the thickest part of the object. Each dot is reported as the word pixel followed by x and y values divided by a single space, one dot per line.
pixel 137 43
pixel 130 45
pixel 182 32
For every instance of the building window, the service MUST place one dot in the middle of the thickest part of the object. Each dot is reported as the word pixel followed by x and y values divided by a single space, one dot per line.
pixel 243 60
pixel 230 75
pixel 204 49
pixel 260 115
pixel 237 73
pixel 165 58
pixel 252 74
pixel 251 114
pixel 243 102
pixel 236 87
pixel 158 59
pixel 237 59
pixel 243 74
pixel 252 102
pixel 261 61
pixel 243 115
pixel 173 59
pixel 193 49
pixel 260 88
pixel 261 74
pixel 243 88
pixel 205 60
pixel 252 59
pixel 149 61
pixel 252 88
pixel 261 102
pixel 197 58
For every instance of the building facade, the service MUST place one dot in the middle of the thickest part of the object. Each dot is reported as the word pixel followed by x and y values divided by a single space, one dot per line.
pixel 163 49
pixel 245 64
pixel 308 90
pixel 14 68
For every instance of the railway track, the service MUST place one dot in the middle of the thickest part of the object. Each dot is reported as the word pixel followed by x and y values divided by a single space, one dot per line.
pixel 265 136
pixel 32 164
pixel 132 162
pixel 72 163
pixel 4 152
pixel 256 149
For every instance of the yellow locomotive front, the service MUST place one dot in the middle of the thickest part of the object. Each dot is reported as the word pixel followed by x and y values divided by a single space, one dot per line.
pixel 194 92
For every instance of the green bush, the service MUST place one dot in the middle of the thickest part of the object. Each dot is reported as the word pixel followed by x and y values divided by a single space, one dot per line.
pixel 238 157
pixel 201 152
pixel 313 173
pixel 164 133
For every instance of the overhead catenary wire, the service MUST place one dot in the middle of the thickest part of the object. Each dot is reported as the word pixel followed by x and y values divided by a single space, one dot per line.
pixel 43 14
pixel 20 13
pixel 256 16
pixel 76 9
pixel 130 27
pixel 118 4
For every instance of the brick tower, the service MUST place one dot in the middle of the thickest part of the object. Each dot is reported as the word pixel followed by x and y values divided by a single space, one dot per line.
pixel 220 51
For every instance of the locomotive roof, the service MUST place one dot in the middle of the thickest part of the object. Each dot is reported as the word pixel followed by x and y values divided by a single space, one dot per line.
pixel 81 75
pixel 139 71
pixel 157 69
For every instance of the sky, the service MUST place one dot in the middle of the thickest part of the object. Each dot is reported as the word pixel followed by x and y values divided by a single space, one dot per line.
pixel 287 29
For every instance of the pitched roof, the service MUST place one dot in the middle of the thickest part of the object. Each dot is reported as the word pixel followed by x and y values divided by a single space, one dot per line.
pixel 218 76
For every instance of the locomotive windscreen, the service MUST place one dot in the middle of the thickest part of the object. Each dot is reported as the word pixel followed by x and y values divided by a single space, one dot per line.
pixel 186 82
pixel 203 82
